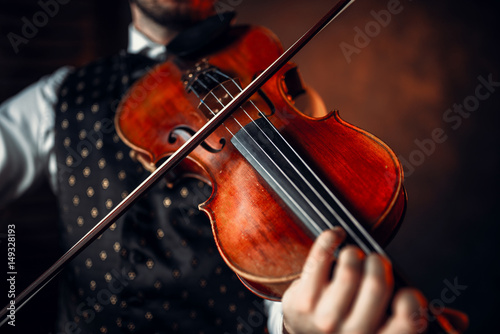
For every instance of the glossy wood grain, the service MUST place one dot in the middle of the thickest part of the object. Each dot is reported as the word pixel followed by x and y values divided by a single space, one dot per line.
pixel 255 232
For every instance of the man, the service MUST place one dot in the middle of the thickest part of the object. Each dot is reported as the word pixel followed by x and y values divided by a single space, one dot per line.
pixel 157 270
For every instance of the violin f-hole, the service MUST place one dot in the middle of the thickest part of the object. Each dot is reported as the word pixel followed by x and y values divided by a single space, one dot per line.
pixel 185 132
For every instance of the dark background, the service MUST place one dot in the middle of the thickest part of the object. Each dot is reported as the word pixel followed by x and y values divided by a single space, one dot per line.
pixel 399 86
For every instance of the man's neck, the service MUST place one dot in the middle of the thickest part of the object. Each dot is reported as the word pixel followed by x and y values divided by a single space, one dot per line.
pixel 154 31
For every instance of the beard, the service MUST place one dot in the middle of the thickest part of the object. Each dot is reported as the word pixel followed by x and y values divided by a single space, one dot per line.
pixel 176 14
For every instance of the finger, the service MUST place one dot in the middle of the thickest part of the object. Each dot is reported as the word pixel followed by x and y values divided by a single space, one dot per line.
pixel 316 272
pixel 337 299
pixel 373 296
pixel 408 314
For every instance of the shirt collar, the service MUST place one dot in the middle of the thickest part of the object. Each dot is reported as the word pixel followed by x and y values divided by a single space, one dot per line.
pixel 141 44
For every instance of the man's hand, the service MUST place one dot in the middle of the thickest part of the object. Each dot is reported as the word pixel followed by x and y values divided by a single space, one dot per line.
pixel 354 300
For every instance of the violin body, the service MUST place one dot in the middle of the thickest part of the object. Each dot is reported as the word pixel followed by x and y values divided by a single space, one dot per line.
pixel 259 236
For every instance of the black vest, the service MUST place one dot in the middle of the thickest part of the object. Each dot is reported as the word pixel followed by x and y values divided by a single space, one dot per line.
pixel 156 270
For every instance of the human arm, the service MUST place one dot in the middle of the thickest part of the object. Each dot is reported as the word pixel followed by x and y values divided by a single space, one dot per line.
pixel 27 137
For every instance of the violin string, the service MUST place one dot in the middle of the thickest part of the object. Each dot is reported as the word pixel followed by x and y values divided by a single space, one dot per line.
pixel 314 207
pixel 311 221
pixel 346 211
pixel 332 211
pixel 348 229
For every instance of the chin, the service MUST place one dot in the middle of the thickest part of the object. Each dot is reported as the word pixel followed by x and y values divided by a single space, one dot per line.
pixel 176 12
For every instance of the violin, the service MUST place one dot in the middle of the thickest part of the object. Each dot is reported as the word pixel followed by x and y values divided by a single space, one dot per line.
pixel 279 177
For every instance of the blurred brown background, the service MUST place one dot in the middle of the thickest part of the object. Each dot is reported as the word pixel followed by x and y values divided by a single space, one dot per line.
pixel 398 85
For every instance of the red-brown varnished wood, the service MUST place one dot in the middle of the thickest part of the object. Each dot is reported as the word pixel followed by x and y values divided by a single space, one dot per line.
pixel 255 232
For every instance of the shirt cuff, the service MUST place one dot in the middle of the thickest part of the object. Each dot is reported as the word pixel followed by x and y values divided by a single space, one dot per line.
pixel 275 317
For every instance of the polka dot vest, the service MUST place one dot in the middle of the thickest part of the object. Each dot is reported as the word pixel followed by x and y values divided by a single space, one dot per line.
pixel 157 269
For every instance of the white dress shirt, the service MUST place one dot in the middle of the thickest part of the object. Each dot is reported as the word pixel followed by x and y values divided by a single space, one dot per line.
pixel 27 152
